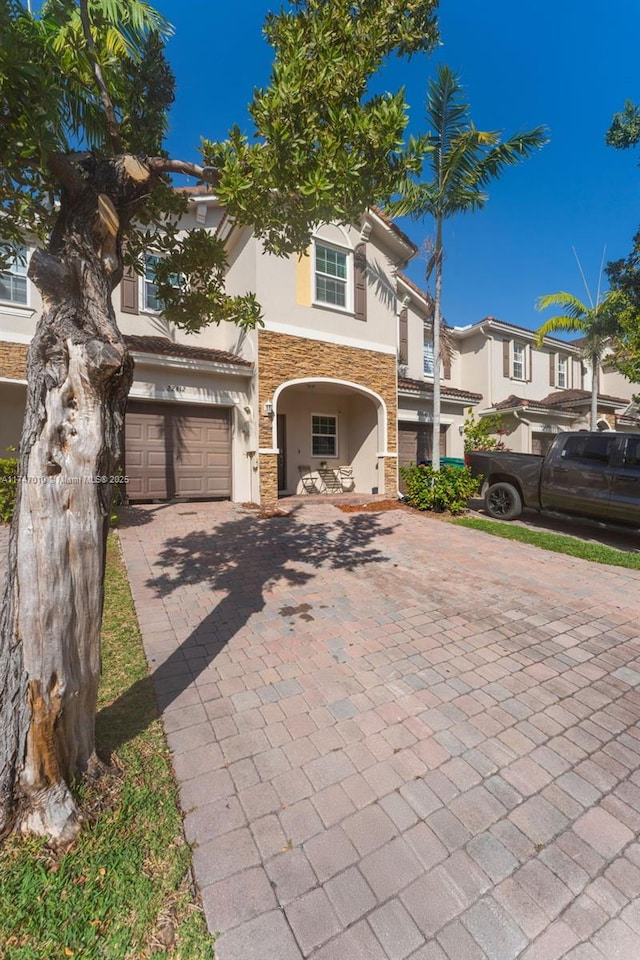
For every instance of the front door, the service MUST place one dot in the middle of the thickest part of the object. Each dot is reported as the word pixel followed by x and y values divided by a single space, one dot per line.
pixel 281 439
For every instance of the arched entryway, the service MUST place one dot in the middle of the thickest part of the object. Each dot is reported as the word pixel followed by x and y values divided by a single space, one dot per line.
pixel 321 425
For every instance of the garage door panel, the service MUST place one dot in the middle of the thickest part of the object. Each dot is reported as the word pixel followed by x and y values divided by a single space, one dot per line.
pixel 181 451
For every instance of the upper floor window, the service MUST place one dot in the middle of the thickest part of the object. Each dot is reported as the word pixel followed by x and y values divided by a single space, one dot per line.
pixel 13 280
pixel 150 299
pixel 519 361
pixel 428 359
pixel 562 372
pixel 332 268
pixel 559 370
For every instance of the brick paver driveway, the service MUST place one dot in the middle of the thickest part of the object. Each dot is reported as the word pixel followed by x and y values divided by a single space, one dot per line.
pixel 396 738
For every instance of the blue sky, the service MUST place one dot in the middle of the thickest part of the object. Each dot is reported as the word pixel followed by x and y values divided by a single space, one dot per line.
pixel 568 64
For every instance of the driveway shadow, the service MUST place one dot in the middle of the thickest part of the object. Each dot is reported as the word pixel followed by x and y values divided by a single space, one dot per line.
pixel 241 559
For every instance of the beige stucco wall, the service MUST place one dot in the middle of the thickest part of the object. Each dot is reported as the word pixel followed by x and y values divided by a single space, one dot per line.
pixel 284 287
pixel 614 384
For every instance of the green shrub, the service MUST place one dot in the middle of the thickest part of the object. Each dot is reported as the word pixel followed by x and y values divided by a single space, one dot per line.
pixel 8 486
pixel 485 433
pixel 449 489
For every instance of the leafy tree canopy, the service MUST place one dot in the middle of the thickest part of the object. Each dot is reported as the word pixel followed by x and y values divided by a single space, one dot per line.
pixel 624 274
pixel 85 80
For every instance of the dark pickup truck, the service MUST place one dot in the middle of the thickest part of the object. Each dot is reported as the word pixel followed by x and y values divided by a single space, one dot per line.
pixel 584 474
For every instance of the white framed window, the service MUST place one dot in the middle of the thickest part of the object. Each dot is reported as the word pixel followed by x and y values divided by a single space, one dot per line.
pixel 518 360
pixel 332 275
pixel 324 435
pixel 428 365
pixel 150 299
pixel 14 286
pixel 151 302
pixel 562 372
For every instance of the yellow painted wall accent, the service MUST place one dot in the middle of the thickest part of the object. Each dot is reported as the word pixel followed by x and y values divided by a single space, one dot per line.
pixel 303 279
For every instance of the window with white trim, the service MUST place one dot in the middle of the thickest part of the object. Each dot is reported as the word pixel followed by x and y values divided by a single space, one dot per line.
pixel 150 299
pixel 428 359
pixel 518 361
pixel 332 272
pixel 13 280
pixel 562 372
pixel 324 435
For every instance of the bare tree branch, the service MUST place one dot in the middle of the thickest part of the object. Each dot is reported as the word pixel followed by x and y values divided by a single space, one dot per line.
pixel 160 165
pixel 112 122
pixel 63 166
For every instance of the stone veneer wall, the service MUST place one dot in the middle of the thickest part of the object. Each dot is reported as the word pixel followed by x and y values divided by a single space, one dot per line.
pixel 282 357
pixel 13 360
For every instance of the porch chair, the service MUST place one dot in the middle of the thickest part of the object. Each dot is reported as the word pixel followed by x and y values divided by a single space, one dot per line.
pixel 331 479
pixel 347 481
pixel 309 482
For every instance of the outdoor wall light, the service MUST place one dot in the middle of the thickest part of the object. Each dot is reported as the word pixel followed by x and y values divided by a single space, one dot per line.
pixel 268 409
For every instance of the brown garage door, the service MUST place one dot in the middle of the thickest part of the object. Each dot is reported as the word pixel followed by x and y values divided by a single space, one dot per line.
pixel 414 444
pixel 173 450
pixel 541 443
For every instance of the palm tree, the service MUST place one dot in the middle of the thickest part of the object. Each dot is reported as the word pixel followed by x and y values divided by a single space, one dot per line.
pixel 462 160
pixel 597 323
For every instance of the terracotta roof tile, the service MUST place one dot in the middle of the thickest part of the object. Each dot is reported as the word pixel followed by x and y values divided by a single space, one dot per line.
pixel 558 400
pixel 421 386
pixel 561 398
pixel 396 229
pixel 167 348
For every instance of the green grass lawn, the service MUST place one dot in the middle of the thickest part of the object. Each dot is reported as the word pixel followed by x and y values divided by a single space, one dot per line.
pixel 123 891
pixel 596 552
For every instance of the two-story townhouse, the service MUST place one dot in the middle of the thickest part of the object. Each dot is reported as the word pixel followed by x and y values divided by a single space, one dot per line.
pixel 539 390
pixel 415 381
pixel 252 415
pixel 326 356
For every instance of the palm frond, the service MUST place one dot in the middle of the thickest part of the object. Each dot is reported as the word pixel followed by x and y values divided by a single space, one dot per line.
pixel 563 322
pixel 510 152
pixel 573 306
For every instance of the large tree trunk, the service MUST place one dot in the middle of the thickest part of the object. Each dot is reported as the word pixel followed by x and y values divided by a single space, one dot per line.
pixel 79 374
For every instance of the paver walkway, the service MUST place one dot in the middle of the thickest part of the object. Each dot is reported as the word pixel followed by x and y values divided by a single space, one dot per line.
pixel 395 738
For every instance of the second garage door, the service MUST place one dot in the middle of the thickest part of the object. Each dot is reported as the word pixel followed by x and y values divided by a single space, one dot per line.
pixel 173 450
pixel 414 444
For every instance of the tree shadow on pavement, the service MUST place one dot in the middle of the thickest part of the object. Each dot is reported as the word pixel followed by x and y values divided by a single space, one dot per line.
pixel 239 560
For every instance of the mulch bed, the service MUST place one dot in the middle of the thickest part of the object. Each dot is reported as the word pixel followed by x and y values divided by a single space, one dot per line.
pixel 374 506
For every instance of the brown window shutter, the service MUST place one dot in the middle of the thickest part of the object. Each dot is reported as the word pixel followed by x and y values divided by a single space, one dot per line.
pixel 576 379
pixel 552 369
pixel 129 291
pixel 360 281
pixel 404 336
pixel 446 367
pixel 528 359
pixel 506 359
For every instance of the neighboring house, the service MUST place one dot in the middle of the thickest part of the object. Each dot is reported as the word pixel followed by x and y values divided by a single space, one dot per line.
pixel 340 376
pixel 415 382
pixel 538 390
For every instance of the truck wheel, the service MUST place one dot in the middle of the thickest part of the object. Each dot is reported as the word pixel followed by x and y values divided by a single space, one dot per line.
pixel 503 502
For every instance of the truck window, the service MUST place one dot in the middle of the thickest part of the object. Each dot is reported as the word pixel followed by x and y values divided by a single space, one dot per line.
pixel 588 448
pixel 632 453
